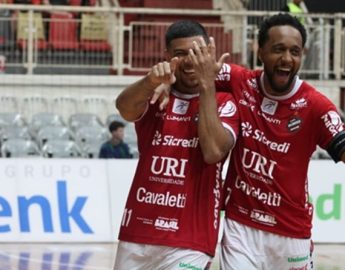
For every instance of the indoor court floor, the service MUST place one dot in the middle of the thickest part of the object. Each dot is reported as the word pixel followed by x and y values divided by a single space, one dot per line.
pixel 92 256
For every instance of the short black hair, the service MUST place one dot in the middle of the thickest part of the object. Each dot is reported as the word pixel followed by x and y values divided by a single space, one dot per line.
pixel 279 20
pixel 115 125
pixel 183 29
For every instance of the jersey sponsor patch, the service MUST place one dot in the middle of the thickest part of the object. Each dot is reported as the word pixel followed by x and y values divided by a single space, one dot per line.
pixel 180 106
pixel 269 106
pixel 333 122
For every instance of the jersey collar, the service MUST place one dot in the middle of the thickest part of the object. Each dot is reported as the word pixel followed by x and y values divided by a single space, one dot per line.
pixel 294 90
pixel 182 95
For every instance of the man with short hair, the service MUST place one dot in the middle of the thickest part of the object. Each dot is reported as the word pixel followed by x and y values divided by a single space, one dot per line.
pixel 115 147
pixel 171 218
pixel 283 118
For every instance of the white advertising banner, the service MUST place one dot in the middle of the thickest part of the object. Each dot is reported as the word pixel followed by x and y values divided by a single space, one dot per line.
pixel 58 200
pixel 327 192
pixel 81 200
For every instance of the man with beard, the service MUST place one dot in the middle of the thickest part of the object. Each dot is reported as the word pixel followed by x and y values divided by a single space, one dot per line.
pixel 268 215
pixel 171 218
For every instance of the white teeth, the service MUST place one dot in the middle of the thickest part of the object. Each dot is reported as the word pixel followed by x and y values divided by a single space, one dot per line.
pixel 188 71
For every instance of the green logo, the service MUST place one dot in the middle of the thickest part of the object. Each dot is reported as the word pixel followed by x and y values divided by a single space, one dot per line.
pixel 298 259
pixel 188 266
pixel 328 205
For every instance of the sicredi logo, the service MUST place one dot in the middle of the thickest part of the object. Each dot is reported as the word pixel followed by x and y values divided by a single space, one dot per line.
pixel 68 211
pixel 258 135
pixel 171 140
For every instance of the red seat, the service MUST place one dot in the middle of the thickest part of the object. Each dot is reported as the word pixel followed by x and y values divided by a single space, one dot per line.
pixel 63 32
pixel 95 45
pixel 40 44
pixel 75 2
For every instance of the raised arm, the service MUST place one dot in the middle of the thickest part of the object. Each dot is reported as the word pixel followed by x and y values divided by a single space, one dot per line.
pixel 133 100
pixel 215 140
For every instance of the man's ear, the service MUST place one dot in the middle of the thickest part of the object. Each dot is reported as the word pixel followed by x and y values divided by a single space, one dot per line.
pixel 259 54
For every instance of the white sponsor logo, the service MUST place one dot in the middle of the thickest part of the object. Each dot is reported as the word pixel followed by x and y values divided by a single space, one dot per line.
pixel 252 83
pixel 216 193
pixel 269 119
pixel 262 217
pixel 258 163
pixel 299 104
pixel 180 106
pixel 269 198
pixel 247 104
pixel 166 224
pixel 259 136
pixel 249 96
pixel 227 110
pixel 333 122
pixel 170 140
pixel 269 106
pixel 177 118
pixel 163 199
pixel 168 166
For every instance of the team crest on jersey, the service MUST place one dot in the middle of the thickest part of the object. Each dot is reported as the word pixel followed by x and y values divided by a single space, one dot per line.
pixel 180 106
pixel 269 106
pixel 167 224
pixel 227 110
pixel 299 104
pixel 294 124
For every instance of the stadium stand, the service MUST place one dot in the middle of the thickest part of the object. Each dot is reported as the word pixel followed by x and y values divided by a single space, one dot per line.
pixel 18 147
pixel 61 149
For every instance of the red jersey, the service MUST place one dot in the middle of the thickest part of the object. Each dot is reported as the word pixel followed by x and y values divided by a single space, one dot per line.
pixel 267 181
pixel 175 196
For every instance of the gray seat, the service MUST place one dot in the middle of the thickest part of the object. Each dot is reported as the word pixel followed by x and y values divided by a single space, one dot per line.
pixel 19 148
pixel 34 104
pixel 95 105
pixel 12 119
pixel 78 120
pixel 14 132
pixel 42 119
pixel 90 139
pixel 47 133
pixel 61 149
pixel 114 117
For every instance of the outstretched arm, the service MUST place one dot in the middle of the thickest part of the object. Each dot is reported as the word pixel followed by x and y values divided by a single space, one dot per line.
pixel 215 140
pixel 133 100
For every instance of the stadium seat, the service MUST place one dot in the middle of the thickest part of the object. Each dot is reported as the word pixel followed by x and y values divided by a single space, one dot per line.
pixel 42 119
pixel 22 30
pixel 19 148
pixel 91 135
pixel 96 105
pixel 48 133
pixel 34 104
pixel 65 106
pixel 61 149
pixel 92 150
pixel 63 32
pixel 12 119
pixel 83 119
pixel 114 117
pixel 94 33
pixel 14 132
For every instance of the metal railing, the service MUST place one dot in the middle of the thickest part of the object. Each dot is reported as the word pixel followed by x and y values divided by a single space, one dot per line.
pixel 121 40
